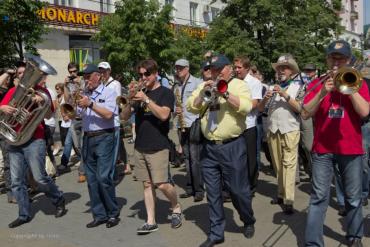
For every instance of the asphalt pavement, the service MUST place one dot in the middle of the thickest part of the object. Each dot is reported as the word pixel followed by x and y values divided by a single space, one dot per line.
pixel 273 228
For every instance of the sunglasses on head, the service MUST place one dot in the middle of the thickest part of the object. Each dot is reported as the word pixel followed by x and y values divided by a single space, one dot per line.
pixel 146 74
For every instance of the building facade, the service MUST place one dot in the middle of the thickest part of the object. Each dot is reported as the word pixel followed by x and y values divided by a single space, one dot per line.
pixel 73 22
pixel 352 19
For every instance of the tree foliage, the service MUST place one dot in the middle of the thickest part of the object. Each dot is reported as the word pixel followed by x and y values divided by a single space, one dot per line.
pixel 265 29
pixel 137 30
pixel 20 28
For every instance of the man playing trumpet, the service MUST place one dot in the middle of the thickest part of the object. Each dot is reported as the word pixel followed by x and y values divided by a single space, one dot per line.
pixel 152 109
pixel 283 128
pixel 224 154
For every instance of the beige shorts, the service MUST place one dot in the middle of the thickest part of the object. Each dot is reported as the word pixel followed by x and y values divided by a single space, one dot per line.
pixel 152 167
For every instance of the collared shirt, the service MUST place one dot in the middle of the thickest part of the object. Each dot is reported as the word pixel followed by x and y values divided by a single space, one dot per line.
pixel 190 86
pixel 116 86
pixel 280 115
pixel 230 121
pixel 255 87
pixel 102 97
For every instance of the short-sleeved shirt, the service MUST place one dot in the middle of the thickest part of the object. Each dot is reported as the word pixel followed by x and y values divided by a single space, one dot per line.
pixel 102 97
pixel 116 86
pixel 40 129
pixel 337 135
pixel 151 132
pixel 255 86
pixel 191 84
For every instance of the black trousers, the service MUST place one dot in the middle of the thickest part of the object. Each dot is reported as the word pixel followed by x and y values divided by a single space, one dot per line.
pixel 226 162
pixel 250 136
pixel 191 152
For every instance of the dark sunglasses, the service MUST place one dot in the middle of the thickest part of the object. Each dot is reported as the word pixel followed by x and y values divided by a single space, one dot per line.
pixel 146 74
pixel 73 71
pixel 206 68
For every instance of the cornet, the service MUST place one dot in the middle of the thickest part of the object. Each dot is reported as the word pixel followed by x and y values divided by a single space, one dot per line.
pixel 211 93
pixel 123 100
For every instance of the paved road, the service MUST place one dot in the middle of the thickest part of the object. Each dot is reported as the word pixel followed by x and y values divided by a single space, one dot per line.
pixel 273 228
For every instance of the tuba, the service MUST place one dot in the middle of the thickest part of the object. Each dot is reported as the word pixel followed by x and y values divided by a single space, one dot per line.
pixel 19 127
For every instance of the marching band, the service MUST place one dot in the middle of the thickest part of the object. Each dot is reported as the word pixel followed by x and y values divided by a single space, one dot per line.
pixel 319 119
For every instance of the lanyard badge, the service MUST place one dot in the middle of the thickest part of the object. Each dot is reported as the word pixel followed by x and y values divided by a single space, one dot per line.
pixel 336 112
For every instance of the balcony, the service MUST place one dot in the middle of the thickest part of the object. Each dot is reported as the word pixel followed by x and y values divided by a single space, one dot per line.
pixel 354 15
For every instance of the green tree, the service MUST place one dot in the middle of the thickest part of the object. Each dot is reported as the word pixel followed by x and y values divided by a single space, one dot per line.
pixel 265 29
pixel 21 28
pixel 137 30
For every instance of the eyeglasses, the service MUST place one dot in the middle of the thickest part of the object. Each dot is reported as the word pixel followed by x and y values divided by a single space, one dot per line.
pixel 206 68
pixel 72 71
pixel 146 74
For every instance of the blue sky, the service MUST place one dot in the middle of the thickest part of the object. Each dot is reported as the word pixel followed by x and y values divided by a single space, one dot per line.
pixel 367 12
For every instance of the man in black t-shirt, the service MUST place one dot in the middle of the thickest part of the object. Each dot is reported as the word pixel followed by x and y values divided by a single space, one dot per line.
pixel 152 108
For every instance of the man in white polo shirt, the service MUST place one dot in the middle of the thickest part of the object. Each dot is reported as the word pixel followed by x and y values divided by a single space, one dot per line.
pixel 242 71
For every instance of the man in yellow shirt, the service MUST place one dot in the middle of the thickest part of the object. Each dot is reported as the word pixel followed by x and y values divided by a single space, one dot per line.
pixel 223 157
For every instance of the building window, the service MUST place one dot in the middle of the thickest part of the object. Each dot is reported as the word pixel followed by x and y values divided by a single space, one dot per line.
pixel 168 2
pixel 105 6
pixel 193 13
pixel 215 12
pixel 64 2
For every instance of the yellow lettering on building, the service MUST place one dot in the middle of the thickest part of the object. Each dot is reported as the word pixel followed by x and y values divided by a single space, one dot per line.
pixel 87 19
pixel 62 15
pixel 41 13
pixel 51 14
pixel 94 19
pixel 79 17
pixel 71 17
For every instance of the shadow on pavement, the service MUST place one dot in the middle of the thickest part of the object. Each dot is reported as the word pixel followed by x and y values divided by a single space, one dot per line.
pixel 162 211
pixel 120 201
pixel 44 204
pixel 198 214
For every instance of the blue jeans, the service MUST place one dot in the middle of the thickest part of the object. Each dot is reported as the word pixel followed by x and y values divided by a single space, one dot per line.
pixel 97 154
pixel 350 169
pixel 73 138
pixel 32 155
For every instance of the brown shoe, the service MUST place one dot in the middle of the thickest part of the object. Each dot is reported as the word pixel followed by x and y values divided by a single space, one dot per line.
pixel 81 179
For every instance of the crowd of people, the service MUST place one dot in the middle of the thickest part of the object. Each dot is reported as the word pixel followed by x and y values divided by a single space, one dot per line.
pixel 225 119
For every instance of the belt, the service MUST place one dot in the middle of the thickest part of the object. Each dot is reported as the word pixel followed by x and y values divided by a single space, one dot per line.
pixel 220 142
pixel 98 132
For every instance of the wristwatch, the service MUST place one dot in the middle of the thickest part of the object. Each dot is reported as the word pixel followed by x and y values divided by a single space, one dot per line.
pixel 226 95
pixel 147 101
pixel 91 104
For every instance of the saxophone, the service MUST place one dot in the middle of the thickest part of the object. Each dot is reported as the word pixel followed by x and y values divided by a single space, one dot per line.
pixel 179 104
pixel 19 127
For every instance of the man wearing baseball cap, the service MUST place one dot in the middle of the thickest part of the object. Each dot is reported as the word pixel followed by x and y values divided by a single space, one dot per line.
pixel 224 150
pixel 98 109
pixel 110 82
pixel 337 141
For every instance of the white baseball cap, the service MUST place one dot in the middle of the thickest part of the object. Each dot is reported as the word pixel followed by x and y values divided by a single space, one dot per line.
pixel 104 65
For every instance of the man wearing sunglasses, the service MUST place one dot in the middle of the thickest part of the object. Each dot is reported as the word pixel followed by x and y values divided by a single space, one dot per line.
pixel 72 86
pixel 152 110
pixel 185 85
pixel 223 156
pixel 98 109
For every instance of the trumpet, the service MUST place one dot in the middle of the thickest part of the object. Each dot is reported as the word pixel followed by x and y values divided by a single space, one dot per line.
pixel 124 100
pixel 210 94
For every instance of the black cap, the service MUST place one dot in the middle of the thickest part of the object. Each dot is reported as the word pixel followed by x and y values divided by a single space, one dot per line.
pixel 220 61
pixel 339 46
pixel 309 66
pixel 206 64
pixel 88 69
